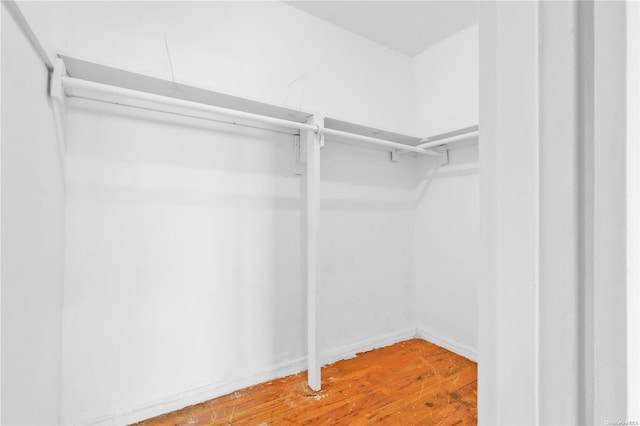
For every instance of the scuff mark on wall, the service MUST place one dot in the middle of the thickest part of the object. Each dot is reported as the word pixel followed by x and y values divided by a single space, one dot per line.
pixel 295 90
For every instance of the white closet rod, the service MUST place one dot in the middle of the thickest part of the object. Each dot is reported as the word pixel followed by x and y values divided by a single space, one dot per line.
pixel 381 142
pixel 444 141
pixel 71 83
pixel 74 83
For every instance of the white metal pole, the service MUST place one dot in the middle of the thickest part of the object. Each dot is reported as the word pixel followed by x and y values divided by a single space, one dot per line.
pixel 69 82
pixel 381 142
pixel 444 141
pixel 312 140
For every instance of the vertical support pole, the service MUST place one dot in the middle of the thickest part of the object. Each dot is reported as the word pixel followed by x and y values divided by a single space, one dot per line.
pixel 313 142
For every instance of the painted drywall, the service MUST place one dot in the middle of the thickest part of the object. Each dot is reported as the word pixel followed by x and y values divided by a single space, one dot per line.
pixel 183 275
pixel 447 235
pixel 268 51
pixel 183 267
pixel 366 246
pixel 183 256
pixel 183 270
pixel 446 84
pixel 32 237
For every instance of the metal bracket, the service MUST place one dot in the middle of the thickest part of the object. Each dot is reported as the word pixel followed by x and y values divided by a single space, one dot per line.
pixel 444 155
pixel 320 123
pixel 394 156
pixel 299 156
pixel 56 90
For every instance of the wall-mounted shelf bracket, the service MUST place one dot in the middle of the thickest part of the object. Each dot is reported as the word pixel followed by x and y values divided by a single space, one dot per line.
pixel 394 155
pixel 319 121
pixel 56 89
pixel 299 156
pixel 444 155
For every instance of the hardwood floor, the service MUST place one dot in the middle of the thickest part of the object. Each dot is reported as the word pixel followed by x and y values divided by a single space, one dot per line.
pixel 410 383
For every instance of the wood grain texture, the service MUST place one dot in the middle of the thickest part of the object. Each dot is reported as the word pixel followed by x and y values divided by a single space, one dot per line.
pixel 410 383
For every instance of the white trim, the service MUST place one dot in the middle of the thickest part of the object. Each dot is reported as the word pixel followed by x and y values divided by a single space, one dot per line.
pixel 1 12
pixel 196 395
pixel 508 379
pixel 447 343
pixel 71 85
pixel 349 351
pixel 609 180
pixel 633 210
pixel 204 393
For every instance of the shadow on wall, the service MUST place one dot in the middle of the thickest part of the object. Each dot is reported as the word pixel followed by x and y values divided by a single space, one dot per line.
pixel 463 161
pixel 183 253
pixel 194 162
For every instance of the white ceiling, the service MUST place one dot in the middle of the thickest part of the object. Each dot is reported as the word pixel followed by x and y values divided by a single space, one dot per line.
pixel 406 26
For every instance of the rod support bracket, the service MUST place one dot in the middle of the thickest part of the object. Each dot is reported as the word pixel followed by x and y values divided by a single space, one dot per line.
pixel 299 156
pixel 394 155
pixel 56 89
pixel 444 155
pixel 320 125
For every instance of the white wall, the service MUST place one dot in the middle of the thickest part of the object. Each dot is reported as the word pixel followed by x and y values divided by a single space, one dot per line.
pixel 157 280
pixel 183 276
pixel 183 261
pixel 633 209
pixel 366 246
pixel 447 235
pixel 267 51
pixel 183 264
pixel 32 237
pixel 446 84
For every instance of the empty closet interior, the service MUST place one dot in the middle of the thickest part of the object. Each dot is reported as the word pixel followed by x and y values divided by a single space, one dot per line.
pixel 221 193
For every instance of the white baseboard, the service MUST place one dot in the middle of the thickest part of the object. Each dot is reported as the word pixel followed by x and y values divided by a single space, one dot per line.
pixel 214 390
pixel 349 351
pixel 197 395
pixel 453 346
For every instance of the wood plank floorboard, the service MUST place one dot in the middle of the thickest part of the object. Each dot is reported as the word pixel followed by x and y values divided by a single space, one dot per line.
pixel 410 383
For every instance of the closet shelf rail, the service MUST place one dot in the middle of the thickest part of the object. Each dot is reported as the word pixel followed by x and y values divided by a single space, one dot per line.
pixel 74 83
pixel 444 141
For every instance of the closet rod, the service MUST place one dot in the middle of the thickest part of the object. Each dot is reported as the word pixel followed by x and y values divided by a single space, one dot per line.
pixel 71 83
pixel 444 141
pixel 381 142
pixel 74 83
